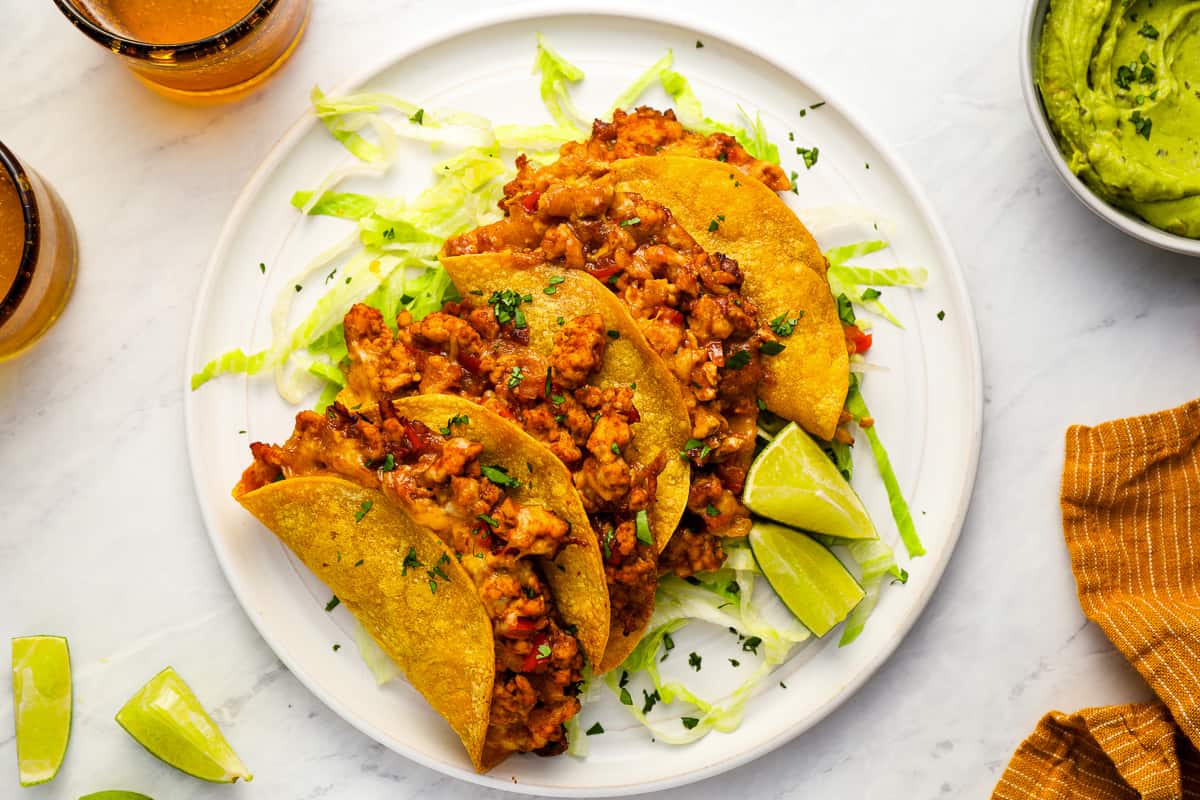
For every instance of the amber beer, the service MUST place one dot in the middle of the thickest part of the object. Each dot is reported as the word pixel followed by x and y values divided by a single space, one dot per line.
pixel 195 49
pixel 37 256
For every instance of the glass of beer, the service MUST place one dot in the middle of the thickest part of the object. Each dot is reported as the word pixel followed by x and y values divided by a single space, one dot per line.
pixel 199 50
pixel 37 256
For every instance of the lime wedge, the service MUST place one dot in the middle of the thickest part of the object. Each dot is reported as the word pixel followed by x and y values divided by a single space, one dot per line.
pixel 167 719
pixel 41 668
pixel 807 577
pixel 792 481
pixel 115 795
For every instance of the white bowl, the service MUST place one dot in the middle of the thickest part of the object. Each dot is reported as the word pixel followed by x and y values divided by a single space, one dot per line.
pixel 1031 34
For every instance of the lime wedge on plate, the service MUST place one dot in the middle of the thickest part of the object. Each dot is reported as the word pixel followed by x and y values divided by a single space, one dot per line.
pixel 808 578
pixel 792 481
pixel 41 668
pixel 115 795
pixel 167 719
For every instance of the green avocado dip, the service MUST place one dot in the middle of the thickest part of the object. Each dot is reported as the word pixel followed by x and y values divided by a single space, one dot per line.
pixel 1120 80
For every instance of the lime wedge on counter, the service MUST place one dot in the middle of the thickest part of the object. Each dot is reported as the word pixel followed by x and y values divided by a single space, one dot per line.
pixel 792 481
pixel 115 795
pixel 167 719
pixel 41 667
pixel 808 578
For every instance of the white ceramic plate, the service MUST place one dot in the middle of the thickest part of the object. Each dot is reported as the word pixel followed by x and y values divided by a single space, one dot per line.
pixel 928 403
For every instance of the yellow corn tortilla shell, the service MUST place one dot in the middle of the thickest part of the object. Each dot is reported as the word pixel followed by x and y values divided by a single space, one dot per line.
pixel 628 360
pixel 442 641
pixel 576 576
pixel 784 271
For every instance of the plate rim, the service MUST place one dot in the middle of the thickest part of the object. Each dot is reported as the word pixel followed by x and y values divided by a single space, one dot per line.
pixel 955 280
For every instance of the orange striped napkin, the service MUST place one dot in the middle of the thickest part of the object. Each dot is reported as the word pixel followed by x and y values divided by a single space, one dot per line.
pixel 1131 515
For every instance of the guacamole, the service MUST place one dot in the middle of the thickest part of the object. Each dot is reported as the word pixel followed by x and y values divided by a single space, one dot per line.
pixel 1120 80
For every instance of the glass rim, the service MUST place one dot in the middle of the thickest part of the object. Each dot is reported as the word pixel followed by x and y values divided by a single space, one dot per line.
pixel 181 51
pixel 24 277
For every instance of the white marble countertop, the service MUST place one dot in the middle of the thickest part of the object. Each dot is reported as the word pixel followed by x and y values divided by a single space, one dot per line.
pixel 101 538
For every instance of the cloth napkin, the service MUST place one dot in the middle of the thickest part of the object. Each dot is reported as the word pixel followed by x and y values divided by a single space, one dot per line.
pixel 1131 516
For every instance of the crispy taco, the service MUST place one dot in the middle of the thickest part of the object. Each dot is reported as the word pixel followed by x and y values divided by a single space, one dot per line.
pixel 460 545
pixel 557 354
pixel 720 330
pixel 783 270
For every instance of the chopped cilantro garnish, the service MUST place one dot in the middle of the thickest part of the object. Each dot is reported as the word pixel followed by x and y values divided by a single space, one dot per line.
pixel 595 730
pixel 784 325
pixel 668 642
pixel 694 661
pixel 333 603
pixel 689 722
pixel 810 155
pixel 457 419
pixel 735 662
pixel 543 650
pixel 750 645
pixel 782 685
pixel 699 44
pixel 626 698
pixel 298 287
pixel 389 234
pixel 1149 31
pixel 871 294
pixel 418 116
pixel 845 310
pixel 733 587
pixel 648 700
pixel 624 681
pixel 614 334
pixel 606 542
pixel 795 188
pixel 738 360
pixel 1125 76
pixel 713 225
pixel 616 448
pixel 1141 124
pixel 358 563
pixel 625 223
pixel 499 476
pixel 772 348
pixel 557 399
pixel 515 378
pixel 712 511
pixel 432 586
pixel 642 523
pixel 262 267
pixel 410 561
pixel 362 510
pixel 489 521
pixel 817 105
pixel 507 306
pixel 336 647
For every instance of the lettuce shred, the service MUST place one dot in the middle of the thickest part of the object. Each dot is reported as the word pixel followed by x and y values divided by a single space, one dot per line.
pixel 691 114
pixel 900 511
pixel 557 74
pixel 859 284
pixel 731 598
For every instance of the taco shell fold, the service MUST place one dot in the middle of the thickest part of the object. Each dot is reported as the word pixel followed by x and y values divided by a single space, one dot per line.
pixel 442 641
pixel 784 270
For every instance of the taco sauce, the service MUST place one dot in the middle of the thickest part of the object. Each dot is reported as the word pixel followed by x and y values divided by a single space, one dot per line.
pixel 439 481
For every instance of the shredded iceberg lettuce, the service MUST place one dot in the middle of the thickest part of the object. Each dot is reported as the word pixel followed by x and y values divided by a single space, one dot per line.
pixel 557 74
pixel 731 598
pixel 628 98
pixel 860 284
pixel 691 114
pixel 900 512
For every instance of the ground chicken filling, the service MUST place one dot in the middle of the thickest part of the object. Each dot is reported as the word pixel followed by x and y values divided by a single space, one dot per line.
pixel 686 301
pixel 440 481
pixel 465 350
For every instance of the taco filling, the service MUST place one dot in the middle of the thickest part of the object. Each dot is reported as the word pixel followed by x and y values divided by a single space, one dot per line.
pixel 479 349
pixel 688 304
pixel 439 480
